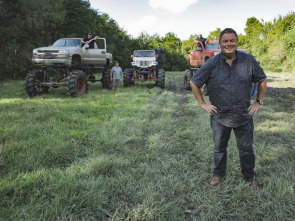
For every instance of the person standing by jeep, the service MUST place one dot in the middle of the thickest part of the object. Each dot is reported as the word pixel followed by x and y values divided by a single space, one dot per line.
pixel 86 40
pixel 116 75
pixel 228 77
pixel 159 54
pixel 201 39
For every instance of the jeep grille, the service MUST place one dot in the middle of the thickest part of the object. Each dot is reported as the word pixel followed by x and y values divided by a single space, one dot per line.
pixel 144 63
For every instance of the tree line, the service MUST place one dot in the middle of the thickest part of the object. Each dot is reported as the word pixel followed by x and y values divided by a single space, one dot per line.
pixel 28 24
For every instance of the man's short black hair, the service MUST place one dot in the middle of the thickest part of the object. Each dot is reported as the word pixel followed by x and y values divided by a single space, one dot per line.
pixel 228 30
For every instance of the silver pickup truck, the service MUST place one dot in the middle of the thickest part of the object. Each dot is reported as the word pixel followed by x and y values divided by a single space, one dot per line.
pixel 68 52
pixel 69 63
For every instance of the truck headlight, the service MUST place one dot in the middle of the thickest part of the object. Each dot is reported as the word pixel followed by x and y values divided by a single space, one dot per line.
pixel 35 52
pixel 63 54
pixel 216 52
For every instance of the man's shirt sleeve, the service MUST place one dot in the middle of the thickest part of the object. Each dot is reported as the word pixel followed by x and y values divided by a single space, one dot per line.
pixel 203 74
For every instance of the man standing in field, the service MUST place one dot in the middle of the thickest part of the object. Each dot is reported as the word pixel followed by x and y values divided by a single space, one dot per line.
pixel 116 75
pixel 159 54
pixel 228 77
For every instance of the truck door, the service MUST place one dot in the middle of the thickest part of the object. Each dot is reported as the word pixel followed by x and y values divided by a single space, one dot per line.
pixel 96 55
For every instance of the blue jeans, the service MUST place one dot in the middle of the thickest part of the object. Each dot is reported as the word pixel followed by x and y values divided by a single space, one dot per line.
pixel 254 89
pixel 244 138
pixel 159 60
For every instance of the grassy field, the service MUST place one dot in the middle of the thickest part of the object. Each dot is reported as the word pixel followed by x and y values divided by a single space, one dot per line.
pixel 141 153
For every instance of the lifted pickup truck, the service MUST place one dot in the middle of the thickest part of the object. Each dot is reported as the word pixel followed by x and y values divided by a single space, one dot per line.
pixel 68 63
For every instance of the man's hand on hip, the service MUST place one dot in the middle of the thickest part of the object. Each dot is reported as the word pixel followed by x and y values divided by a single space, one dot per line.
pixel 211 109
pixel 253 109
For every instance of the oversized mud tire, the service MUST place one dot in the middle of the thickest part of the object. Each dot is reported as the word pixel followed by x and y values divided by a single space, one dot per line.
pixel 161 78
pixel 128 73
pixel 77 83
pixel 32 83
pixel 106 79
pixel 187 78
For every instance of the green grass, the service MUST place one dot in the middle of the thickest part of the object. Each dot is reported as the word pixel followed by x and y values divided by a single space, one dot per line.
pixel 141 153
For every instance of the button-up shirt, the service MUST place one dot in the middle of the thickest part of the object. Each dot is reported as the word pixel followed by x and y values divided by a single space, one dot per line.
pixel 229 87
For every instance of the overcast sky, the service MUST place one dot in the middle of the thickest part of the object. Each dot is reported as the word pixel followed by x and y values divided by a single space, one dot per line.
pixel 186 17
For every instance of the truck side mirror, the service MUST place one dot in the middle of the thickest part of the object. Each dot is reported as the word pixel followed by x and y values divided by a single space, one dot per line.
pixel 86 46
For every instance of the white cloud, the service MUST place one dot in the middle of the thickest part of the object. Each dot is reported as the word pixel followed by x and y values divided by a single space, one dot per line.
pixel 174 6
pixel 148 24
pixel 143 25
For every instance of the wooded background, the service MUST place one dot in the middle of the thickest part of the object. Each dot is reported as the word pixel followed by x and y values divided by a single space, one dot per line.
pixel 28 24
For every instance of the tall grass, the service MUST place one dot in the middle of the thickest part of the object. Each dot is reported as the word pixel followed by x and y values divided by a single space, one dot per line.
pixel 141 153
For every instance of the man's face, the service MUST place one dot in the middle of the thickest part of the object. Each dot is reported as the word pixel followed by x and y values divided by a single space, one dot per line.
pixel 117 64
pixel 228 43
pixel 200 36
pixel 89 36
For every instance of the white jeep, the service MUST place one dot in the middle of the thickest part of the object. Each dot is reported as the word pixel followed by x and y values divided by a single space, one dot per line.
pixel 144 68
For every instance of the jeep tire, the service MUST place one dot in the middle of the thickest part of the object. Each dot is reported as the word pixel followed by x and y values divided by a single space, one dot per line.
pixel 161 78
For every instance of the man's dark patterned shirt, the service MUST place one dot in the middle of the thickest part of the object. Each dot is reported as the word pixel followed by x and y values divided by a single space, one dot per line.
pixel 229 87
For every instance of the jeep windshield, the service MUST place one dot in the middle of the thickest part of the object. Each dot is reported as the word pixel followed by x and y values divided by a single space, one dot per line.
pixel 66 43
pixel 144 54
pixel 212 45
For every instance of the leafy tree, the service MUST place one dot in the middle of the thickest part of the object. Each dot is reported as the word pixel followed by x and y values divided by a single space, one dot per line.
pixel 26 24
pixel 214 35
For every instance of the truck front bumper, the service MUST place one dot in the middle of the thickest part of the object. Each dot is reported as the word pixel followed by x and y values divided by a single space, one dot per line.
pixel 52 62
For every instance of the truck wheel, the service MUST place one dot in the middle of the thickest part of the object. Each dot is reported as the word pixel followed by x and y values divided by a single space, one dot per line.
pixel 106 79
pixel 77 83
pixel 161 78
pixel 32 83
pixel 187 78
pixel 127 77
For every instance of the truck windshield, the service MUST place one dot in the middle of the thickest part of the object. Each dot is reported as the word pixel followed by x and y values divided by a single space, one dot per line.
pixel 66 43
pixel 212 45
pixel 144 54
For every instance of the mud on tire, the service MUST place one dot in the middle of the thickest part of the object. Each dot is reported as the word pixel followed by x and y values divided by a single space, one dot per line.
pixel 106 79
pixel 187 78
pixel 161 78
pixel 77 83
pixel 128 77
pixel 32 83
